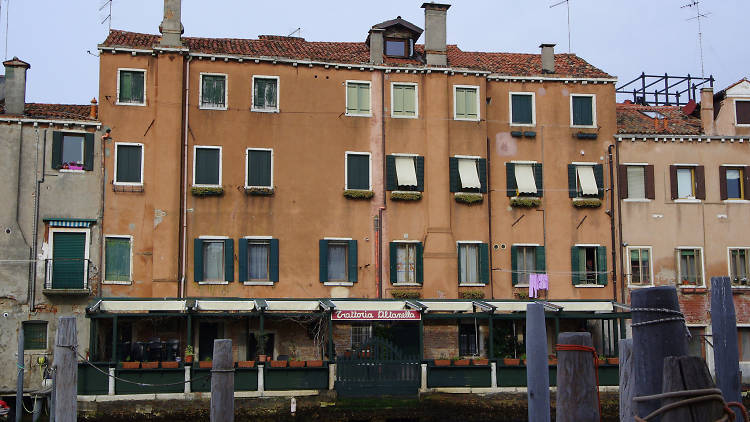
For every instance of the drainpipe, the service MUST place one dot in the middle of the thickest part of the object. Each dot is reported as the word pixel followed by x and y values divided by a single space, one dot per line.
pixel 489 211
pixel 381 209
pixel 612 222
pixel 35 223
pixel 183 214
pixel 619 225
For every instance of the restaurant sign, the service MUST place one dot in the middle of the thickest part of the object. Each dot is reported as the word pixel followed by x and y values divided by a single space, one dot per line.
pixel 400 315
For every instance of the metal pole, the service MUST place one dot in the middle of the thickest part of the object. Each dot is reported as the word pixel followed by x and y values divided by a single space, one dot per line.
pixel 421 338
pixel 330 337
pixel 492 337
pixel 114 339
pixel 222 382
pixel 19 379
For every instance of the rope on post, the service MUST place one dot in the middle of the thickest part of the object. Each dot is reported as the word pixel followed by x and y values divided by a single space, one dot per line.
pixel 581 348
pixel 679 317
pixel 693 396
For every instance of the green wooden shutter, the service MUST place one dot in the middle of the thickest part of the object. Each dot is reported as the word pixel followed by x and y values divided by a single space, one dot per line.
pixel 351 98
pixel 599 176
pixel 394 261
pixel 229 259
pixel 207 166
pixel 323 260
pixel 88 151
pixel 582 111
pixel 129 164
pixel 601 265
pixel 242 260
pixel 198 260
pixel 453 170
pixel 420 265
pixel 117 259
pixel 458 262
pixel 57 138
pixel 398 100
pixel 575 265
pixel 511 187
pixel 259 168
pixel 363 98
pixel 572 192
pixel 521 109
pixel 482 170
pixel 68 265
pixel 460 103
pixel 538 179
pixel 419 163
pixel 259 93
pixel 541 264
pixel 126 86
pixel 514 264
pixel 410 108
pixel 391 183
pixel 358 171
pixel 273 271
pixel 352 261
pixel 138 87
pixel 484 263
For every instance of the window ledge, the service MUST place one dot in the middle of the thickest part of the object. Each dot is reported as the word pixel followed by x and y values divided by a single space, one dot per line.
pixel 736 201
pixel 589 286
pixel 71 171
pixel 259 190
pixel 358 115
pixel 258 283
pixel 639 286
pixel 584 127
pixel 264 110
pixel 693 289
pixel 122 283
pixel 213 282
pixel 67 292
pixel 636 200
pixel 404 117
pixel 687 201
pixel 471 285
pixel 338 283
pixel 521 286
pixel 202 107
pixel 407 284
pixel 117 187
pixel 143 104
pixel 463 119
pixel 513 124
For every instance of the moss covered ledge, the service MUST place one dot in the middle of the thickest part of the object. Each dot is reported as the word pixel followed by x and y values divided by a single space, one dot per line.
pixel 257 191
pixel 469 198
pixel 587 202
pixel 207 190
pixel 406 196
pixel 358 194
pixel 525 202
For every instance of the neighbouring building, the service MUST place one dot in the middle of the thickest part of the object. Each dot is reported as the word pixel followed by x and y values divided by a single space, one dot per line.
pixel 51 215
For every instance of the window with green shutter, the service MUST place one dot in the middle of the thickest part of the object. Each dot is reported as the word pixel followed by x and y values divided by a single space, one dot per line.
pixel 406 262
pixel 522 109
pixel 338 260
pixel 258 260
pixel 265 93
pixel 213 260
pixel 117 259
pixel 473 263
pixel 466 103
pixel 403 100
pixel 582 110
pixel 35 335
pixel 213 91
pixel 589 264
pixel 358 171
pixel 207 166
pixel 259 168
pixel 357 98
pixel 128 164
pixel 72 151
pixel 131 86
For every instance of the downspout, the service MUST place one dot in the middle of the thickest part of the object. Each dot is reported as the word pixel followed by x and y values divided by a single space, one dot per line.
pixel 619 225
pixel 183 214
pixel 612 221
pixel 104 138
pixel 381 209
pixel 489 212
pixel 35 223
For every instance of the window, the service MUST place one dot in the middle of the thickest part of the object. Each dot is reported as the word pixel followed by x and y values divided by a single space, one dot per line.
pixel 117 253
pixel 526 260
pixel 585 180
pixel 357 98
pixel 358 171
pixel 468 339
pixel 35 335
pixel 207 166
pixel 265 93
pixel 406 262
pixel 696 342
pixel 583 110
pixel 468 174
pixel 213 92
pixel 68 268
pixel 734 182
pixel 640 265
pixel 687 181
pixel 259 260
pixel 213 260
pixel 404 172
pixel 395 47
pixel 128 164
pixel 338 261
pixel 473 263
pixel 690 267
pixel 361 334
pixel 259 168
pixel 739 267
pixel 131 87
pixel 522 109
pixel 404 100
pixel 589 264
pixel 636 182
pixel 523 179
pixel 72 151
pixel 466 102
pixel 742 112
pixel 743 338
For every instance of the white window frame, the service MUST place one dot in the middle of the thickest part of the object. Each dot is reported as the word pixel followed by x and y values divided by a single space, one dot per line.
pixel 346 168
pixel 479 110
pixel 200 91
pixel 416 100
pixel 195 159
pixel 729 264
pixel 408 242
pixel 51 243
pixel 104 258
pixel 214 238
pixel 693 198
pixel 533 108
pixel 526 245
pixel 650 266
pixel 679 272
pixel 346 93
pixel 278 95
pixel 115 182
pixel 644 181
pixel 593 110
pixel 129 69
pixel 247 165
pixel 340 283
pixel 735 112
pixel 479 270
pixel 260 282
pixel 589 285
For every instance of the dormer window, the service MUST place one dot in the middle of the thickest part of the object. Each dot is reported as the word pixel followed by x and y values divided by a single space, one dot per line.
pixel 398 38
pixel 395 47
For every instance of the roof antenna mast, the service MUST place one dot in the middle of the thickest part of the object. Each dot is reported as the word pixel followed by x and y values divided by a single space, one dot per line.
pixel 567 5
pixel 297 31
pixel 108 18
pixel 698 16
pixel 7 19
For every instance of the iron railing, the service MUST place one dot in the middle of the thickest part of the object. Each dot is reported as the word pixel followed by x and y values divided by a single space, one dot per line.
pixel 664 89
pixel 66 273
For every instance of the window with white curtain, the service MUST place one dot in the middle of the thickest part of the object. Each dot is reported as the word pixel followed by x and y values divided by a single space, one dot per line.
pixel 257 260
pixel 468 263
pixel 213 260
pixel 685 183
pixel 337 253
pixel 406 263
pixel 636 182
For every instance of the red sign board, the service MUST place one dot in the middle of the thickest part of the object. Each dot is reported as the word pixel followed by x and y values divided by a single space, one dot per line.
pixel 400 315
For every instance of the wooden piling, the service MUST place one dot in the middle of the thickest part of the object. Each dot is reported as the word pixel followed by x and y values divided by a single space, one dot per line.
pixel 66 372
pixel 627 384
pixel 537 368
pixel 724 329
pixel 577 392
pixel 663 334
pixel 222 382
pixel 689 373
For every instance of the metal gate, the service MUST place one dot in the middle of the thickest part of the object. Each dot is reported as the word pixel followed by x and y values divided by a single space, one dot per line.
pixel 376 368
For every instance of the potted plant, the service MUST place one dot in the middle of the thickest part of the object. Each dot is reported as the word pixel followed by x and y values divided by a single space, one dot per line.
pixel 150 365
pixel 511 361
pixel 552 360
pixel 443 361
pixel 314 363
pixel 613 360
pixel 206 363
pixel 523 359
pixel 189 354
pixel 278 364
pixel 170 364
pixel 128 364
pixel 262 357
pixel 294 363
pixel 480 361
pixel 246 364
pixel 457 361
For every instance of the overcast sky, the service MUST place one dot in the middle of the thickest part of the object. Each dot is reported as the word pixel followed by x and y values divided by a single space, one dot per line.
pixel 622 37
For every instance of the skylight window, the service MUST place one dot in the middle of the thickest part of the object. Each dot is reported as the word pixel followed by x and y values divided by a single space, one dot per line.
pixel 654 114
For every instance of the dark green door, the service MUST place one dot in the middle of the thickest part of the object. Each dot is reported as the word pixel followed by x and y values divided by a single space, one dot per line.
pixel 68 263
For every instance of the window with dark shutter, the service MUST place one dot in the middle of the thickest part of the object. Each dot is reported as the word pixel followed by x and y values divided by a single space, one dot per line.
pixel 742 111
pixel 522 109
pixel 35 335
pixel 583 110
pixel 117 259
pixel 213 91
pixel 131 87
pixel 265 93
pixel 358 171
pixel 128 161
pixel 207 165
pixel 259 168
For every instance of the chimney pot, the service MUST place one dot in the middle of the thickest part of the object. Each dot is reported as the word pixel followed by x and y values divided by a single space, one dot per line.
pixel 171 27
pixel 15 85
pixel 93 111
pixel 548 58
pixel 376 45
pixel 707 111
pixel 435 33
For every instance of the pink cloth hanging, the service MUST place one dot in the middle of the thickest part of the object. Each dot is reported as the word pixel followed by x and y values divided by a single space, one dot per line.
pixel 537 282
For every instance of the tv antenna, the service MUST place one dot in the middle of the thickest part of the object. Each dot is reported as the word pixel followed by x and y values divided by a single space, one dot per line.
pixel 698 16
pixel 297 31
pixel 107 5
pixel 7 20
pixel 567 5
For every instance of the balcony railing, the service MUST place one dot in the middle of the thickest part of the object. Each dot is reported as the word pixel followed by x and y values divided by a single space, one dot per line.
pixel 67 274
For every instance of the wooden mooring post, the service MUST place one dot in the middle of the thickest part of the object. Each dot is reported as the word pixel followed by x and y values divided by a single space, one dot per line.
pixel 537 368
pixel 222 382
pixel 627 384
pixel 66 372
pixel 689 373
pixel 724 334
pixel 577 393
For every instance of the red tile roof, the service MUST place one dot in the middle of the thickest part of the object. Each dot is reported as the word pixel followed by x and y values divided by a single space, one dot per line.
pixel 631 120
pixel 54 111
pixel 511 64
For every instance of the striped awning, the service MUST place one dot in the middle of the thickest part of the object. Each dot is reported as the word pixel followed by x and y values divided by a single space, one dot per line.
pixel 70 222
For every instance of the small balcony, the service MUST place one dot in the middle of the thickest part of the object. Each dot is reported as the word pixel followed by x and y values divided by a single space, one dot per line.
pixel 67 276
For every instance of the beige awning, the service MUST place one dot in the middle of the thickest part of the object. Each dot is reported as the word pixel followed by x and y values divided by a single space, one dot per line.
pixel 293 305
pixel 525 178
pixel 572 306
pixel 405 172
pixel 361 305
pixel 225 305
pixel 142 305
pixel 587 180
pixel 467 170
pixel 448 306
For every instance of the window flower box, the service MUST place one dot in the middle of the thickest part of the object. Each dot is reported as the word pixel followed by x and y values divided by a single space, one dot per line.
pixel 587 202
pixel 246 364
pixel 406 294
pixel 461 362
pixel 130 365
pixel 480 361
pixel 405 196
pixel 469 198
pixel 613 361
pixel 358 194
pixel 525 202
pixel 259 191
pixel 442 362
pixel 205 364
pixel 278 364
pixel 170 364
pixel 314 363
pixel 207 190
pixel 149 365
pixel 511 361
pixel 296 363
pixel 471 294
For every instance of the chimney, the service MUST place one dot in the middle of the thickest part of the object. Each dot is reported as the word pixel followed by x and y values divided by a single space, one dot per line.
pixel 15 85
pixel 707 111
pixel 171 27
pixel 434 33
pixel 93 110
pixel 376 45
pixel 548 58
